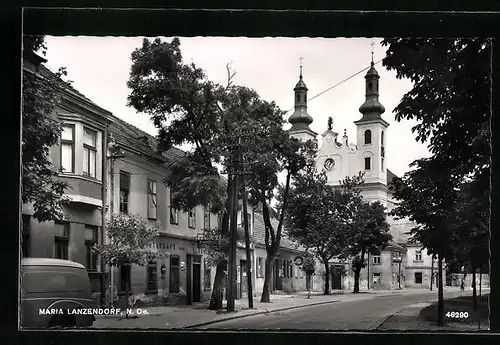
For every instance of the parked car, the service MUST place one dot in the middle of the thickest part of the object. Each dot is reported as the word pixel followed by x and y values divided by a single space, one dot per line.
pixel 52 292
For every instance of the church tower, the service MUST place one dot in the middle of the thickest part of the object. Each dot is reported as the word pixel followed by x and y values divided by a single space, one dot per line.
pixel 300 119
pixel 371 133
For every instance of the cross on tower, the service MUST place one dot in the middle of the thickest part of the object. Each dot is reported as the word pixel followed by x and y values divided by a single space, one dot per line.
pixel 301 58
pixel 373 45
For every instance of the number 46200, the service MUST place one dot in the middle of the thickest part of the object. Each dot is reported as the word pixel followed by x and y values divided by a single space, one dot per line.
pixel 457 314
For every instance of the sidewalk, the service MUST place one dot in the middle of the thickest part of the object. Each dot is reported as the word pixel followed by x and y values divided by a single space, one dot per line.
pixel 197 315
pixel 408 318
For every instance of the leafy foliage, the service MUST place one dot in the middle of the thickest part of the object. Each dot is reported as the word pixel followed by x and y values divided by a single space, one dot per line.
pixel 309 265
pixel 40 131
pixel 216 246
pixel 131 240
pixel 450 99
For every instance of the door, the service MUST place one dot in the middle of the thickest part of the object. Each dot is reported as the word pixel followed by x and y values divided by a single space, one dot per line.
pixel 196 282
pixel 336 278
pixel 193 277
pixel 243 279
pixel 278 269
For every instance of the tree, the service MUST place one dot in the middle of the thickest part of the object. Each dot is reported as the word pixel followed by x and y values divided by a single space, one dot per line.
pixel 426 196
pixel 450 99
pixel 40 131
pixel 188 108
pixel 185 108
pixel 369 234
pixel 309 267
pixel 318 215
pixel 275 152
pixel 131 239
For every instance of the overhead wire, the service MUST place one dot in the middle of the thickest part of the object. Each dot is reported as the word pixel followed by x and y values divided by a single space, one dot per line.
pixel 339 83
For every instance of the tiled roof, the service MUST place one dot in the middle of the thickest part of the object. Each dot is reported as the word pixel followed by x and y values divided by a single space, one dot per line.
pixel 125 133
pixel 390 176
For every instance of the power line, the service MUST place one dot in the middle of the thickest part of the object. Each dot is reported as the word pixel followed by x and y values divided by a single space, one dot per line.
pixel 341 82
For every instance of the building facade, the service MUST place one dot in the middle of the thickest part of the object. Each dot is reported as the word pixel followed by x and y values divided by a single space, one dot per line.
pixel 394 266
pixel 132 183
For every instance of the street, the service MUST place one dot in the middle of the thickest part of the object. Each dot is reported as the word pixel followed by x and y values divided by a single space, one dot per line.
pixel 363 314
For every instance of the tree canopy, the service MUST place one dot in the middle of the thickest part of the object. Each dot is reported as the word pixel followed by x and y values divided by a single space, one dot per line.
pixel 40 131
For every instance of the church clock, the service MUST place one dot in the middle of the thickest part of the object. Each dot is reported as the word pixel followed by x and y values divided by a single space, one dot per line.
pixel 329 164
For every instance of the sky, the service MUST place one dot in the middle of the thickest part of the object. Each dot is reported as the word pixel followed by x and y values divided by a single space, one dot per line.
pixel 99 68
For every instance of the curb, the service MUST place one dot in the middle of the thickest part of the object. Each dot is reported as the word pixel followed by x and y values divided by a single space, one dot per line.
pixel 380 322
pixel 235 317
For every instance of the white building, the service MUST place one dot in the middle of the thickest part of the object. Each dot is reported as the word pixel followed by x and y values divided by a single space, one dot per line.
pixel 340 158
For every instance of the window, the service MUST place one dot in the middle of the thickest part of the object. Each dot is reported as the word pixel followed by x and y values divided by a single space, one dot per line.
pixel 192 218
pixel 376 278
pixel 382 164
pixel 376 259
pixel 25 245
pixel 370 86
pixel 151 199
pixel 68 149
pixel 152 277
pixel 418 255
pixel 207 276
pixel 61 241
pixel 124 191
pixel 368 137
pixel 125 278
pixel 174 273
pixel 297 98
pixel 418 277
pixel 89 152
pixel 382 138
pixel 367 163
pixel 90 240
pixel 174 213
pixel 206 219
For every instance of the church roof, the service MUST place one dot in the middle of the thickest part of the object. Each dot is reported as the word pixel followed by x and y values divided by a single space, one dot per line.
pixel 390 176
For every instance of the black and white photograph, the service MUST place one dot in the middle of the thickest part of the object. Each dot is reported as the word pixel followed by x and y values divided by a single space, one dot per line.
pixel 270 183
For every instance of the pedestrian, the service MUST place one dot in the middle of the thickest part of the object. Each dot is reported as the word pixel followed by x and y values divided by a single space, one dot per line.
pixel 462 285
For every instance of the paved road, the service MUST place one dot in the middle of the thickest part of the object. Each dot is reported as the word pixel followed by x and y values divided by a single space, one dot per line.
pixel 354 315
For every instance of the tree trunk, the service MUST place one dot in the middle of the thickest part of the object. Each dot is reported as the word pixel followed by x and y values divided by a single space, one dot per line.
pixel 220 276
pixel 247 247
pixel 357 271
pixel 474 291
pixel 432 270
pixel 218 289
pixel 440 309
pixel 327 277
pixel 126 297
pixel 266 293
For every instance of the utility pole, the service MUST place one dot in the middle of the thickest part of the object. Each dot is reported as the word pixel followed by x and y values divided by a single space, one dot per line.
pixel 237 168
pixel 115 153
pixel 103 211
pixel 247 246
pixel 432 270
pixel 231 289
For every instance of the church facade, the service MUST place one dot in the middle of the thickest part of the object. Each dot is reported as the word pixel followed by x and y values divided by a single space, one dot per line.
pixel 401 263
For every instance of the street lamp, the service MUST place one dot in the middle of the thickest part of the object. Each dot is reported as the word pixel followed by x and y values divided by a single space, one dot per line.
pixel 398 259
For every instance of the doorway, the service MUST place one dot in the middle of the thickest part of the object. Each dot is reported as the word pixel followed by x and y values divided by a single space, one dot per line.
pixel 193 277
pixel 278 274
pixel 243 279
pixel 336 278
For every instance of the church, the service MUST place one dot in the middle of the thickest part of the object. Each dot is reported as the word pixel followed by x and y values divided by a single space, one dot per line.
pixel 401 263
